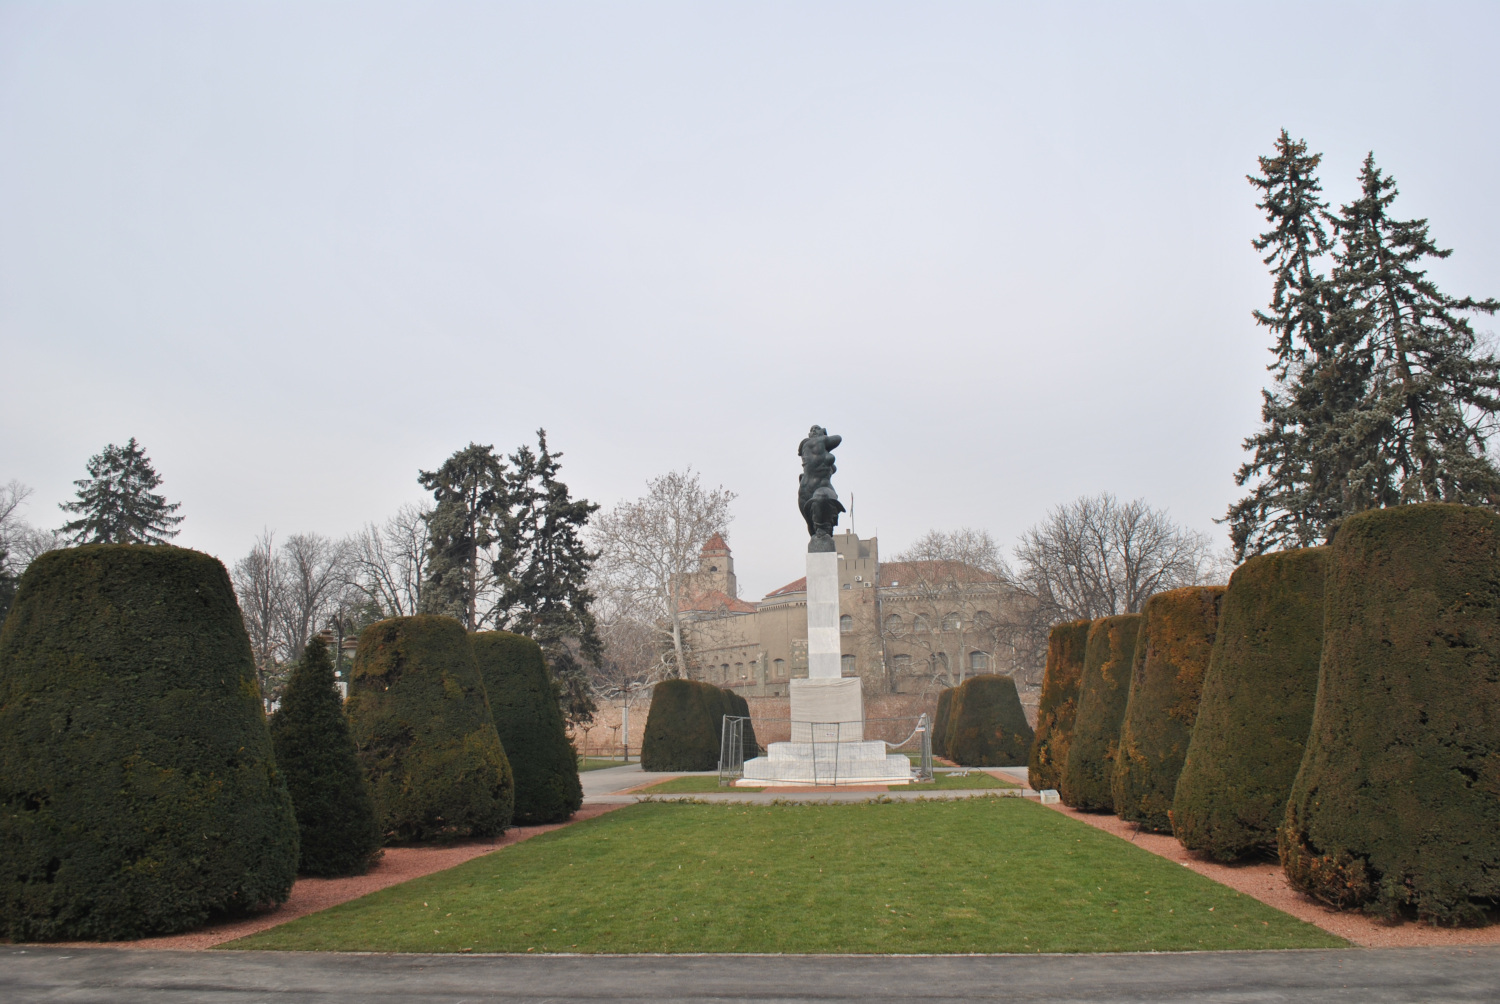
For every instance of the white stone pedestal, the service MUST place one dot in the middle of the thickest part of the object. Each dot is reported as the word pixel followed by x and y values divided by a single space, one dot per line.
pixel 828 711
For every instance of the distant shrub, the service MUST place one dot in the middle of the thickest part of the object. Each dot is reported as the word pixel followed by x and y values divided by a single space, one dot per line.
pixel 941 721
pixel 1102 693
pixel 138 791
pixel 1397 803
pixel 315 752
pixel 1066 645
pixel 737 706
pixel 1257 706
pixel 530 724
pixel 1176 639
pixel 683 726
pixel 425 736
pixel 988 727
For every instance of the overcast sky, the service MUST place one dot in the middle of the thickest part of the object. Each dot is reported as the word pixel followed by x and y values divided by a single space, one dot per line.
pixel 302 250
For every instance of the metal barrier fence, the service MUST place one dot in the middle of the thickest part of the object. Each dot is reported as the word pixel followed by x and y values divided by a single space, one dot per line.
pixel 912 736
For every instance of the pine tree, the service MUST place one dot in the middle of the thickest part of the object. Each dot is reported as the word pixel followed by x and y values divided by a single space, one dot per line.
pixel 1433 395
pixel 542 571
pixel 315 753
pixel 116 502
pixel 471 496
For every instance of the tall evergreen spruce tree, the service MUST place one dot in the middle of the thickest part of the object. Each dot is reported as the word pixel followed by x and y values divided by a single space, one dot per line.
pixel 470 498
pixel 315 753
pixel 117 502
pixel 542 572
pixel 1434 395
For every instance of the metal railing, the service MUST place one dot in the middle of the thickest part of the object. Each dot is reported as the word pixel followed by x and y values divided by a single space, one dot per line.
pixel 826 739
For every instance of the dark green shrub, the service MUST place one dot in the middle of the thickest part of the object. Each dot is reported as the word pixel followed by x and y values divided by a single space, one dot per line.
pixel 940 722
pixel 336 827
pixel 1397 802
pixel 138 792
pixel 425 736
pixel 1102 694
pixel 1066 645
pixel 524 705
pixel 739 707
pixel 1257 706
pixel 1176 639
pixel 683 726
pixel 988 727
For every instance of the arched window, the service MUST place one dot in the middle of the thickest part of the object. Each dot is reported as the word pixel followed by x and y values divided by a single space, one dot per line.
pixel 951 622
pixel 724 672
pixel 979 662
pixel 983 620
pixel 846 624
pixel 713 568
pixel 894 624
pixel 846 666
pixel 778 669
pixel 739 670
pixel 901 663
pixel 919 624
pixel 940 662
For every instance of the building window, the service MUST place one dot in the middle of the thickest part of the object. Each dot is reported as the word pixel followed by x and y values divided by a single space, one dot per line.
pixel 940 662
pixel 846 624
pixel 778 669
pixel 847 666
pixel 901 663
pixel 984 620
pixel 919 624
pixel 894 624
pixel 724 672
pixel 979 662
pixel 713 568
pixel 846 585
pixel 951 622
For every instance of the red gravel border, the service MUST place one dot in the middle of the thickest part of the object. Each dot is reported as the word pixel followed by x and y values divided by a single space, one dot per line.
pixel 309 895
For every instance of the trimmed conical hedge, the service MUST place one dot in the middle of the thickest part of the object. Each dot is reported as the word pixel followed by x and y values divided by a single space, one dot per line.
pixel 683 726
pixel 530 723
pixel 1066 645
pixel 941 721
pixel 1102 693
pixel 1257 707
pixel 988 727
pixel 138 792
pixel 1176 640
pixel 1397 803
pixel 737 706
pixel 425 736
pixel 337 832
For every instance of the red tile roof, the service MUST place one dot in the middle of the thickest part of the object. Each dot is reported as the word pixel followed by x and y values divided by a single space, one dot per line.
pixel 715 544
pixel 800 586
pixel 716 601
pixel 935 573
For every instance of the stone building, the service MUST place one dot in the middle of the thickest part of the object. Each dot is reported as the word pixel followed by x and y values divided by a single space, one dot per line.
pixel 907 627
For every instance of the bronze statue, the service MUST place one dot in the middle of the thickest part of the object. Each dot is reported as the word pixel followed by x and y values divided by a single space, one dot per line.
pixel 816 498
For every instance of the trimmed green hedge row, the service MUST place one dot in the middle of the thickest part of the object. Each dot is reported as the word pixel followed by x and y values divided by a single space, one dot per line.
pixel 1102 694
pixel 683 726
pixel 524 705
pixel 1177 635
pixel 987 726
pixel 1066 645
pixel 940 722
pixel 426 739
pixel 1256 708
pixel 138 791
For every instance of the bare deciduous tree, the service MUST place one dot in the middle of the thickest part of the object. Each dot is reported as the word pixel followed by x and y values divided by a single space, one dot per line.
pixel 259 580
pixel 21 541
pixel 1096 557
pixel 648 546
pixel 388 562
pixel 315 570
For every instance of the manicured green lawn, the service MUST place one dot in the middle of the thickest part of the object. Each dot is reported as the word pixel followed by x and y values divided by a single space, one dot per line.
pixel 975 875
pixel 599 763
pixel 941 781
pixel 693 784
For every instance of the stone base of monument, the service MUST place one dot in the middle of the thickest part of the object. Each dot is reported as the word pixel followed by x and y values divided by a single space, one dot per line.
pixel 828 745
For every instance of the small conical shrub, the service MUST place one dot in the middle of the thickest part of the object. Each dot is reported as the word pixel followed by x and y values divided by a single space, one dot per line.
pixel 1256 709
pixel 1176 639
pixel 336 827
pixel 524 704
pixel 138 792
pixel 1066 645
pixel 1102 694
pixel 1397 803
pixel 424 733
pixel 683 727
pixel 988 726
pixel 940 722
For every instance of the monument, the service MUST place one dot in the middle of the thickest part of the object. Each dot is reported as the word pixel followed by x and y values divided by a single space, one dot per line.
pixel 827 744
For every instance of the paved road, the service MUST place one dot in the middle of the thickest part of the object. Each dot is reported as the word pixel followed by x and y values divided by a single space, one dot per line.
pixel 121 976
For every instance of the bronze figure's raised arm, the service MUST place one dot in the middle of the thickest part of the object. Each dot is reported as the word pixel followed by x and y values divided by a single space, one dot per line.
pixel 816 498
